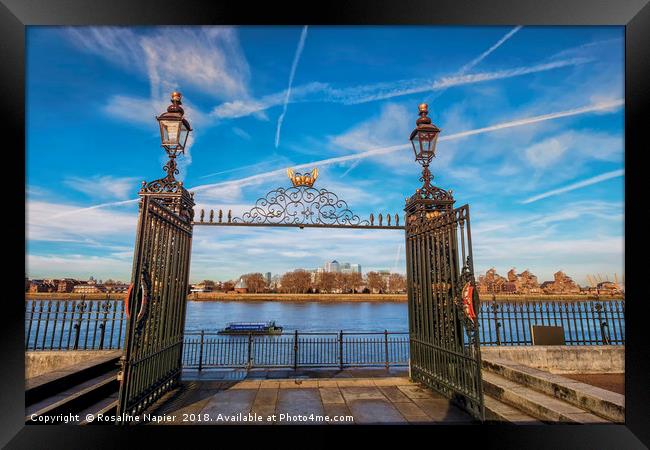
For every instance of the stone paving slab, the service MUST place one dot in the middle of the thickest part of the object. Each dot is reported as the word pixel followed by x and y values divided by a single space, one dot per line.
pixel 413 391
pixel 394 394
pixel 361 393
pixel 338 410
pixel 412 412
pixel 298 384
pixel 229 403
pixel 392 399
pixel 331 395
pixel 442 411
pixel 299 402
pixel 375 411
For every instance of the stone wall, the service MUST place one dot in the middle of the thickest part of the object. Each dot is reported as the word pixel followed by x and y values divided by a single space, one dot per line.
pixel 40 362
pixel 564 358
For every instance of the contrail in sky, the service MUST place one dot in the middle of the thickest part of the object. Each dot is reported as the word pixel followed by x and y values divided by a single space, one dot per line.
pixel 470 65
pixel 580 184
pixel 397 255
pixel 384 150
pixel 101 205
pixel 602 106
pixel 462 71
pixel 296 58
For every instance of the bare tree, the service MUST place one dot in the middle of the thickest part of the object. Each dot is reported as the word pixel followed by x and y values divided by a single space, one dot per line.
pixel 375 282
pixel 302 280
pixel 355 281
pixel 396 283
pixel 298 281
pixel 255 282
pixel 326 281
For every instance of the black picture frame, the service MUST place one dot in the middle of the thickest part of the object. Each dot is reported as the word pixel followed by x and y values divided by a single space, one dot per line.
pixel 15 15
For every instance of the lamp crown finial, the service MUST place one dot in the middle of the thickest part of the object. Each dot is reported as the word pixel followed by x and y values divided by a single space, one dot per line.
pixel 423 109
pixel 176 103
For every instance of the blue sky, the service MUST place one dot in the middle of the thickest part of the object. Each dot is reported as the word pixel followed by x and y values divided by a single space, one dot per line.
pixel 532 137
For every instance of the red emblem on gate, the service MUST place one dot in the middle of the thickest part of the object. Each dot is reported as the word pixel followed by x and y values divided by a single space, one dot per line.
pixel 468 301
pixel 127 300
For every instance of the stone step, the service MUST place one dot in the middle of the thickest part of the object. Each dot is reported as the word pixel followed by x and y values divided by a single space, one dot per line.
pixel 534 403
pixel 106 406
pixel 52 383
pixel 496 410
pixel 76 398
pixel 606 404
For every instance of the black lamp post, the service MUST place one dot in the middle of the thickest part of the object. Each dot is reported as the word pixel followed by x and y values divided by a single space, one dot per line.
pixel 174 131
pixel 424 138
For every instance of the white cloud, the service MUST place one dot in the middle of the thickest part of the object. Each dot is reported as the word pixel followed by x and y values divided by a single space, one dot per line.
pixel 104 187
pixel 393 123
pixel 79 266
pixel 575 146
pixel 242 108
pixel 546 153
pixel 49 222
pixel 209 58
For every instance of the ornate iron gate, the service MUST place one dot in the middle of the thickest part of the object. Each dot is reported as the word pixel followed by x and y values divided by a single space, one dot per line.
pixel 156 302
pixel 442 299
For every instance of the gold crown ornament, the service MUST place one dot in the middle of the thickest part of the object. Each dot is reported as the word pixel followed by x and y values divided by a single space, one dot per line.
pixel 302 179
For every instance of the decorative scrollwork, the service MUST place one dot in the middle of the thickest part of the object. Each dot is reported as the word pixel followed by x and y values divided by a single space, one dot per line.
pixel 301 205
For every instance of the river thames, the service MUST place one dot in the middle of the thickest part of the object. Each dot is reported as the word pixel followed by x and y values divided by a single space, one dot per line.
pixel 302 316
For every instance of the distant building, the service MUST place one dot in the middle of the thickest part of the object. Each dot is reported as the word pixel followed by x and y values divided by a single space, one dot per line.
pixel 66 285
pixel 561 284
pixel 608 287
pixel 88 288
pixel 41 286
pixel 333 266
pixel 338 267
pixel 350 268
pixel 525 282
pixel 202 287
pixel 116 288
pixel 276 282
pixel 492 283
pixel 267 277
pixel 241 287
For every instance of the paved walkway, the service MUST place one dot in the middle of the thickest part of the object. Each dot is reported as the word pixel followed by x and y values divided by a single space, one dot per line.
pixel 366 396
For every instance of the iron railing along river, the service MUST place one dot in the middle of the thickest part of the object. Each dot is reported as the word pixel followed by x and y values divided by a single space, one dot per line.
pixel 67 324
pixel 74 324
pixel 293 350
pixel 585 322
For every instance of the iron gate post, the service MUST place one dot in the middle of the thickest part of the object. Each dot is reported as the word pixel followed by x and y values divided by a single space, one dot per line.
pixel 295 350
pixel 250 345
pixel 386 346
pixel 341 349
pixel 201 352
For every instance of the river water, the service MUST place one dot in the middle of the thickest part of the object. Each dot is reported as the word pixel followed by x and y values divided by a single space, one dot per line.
pixel 302 316
pixel 53 324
